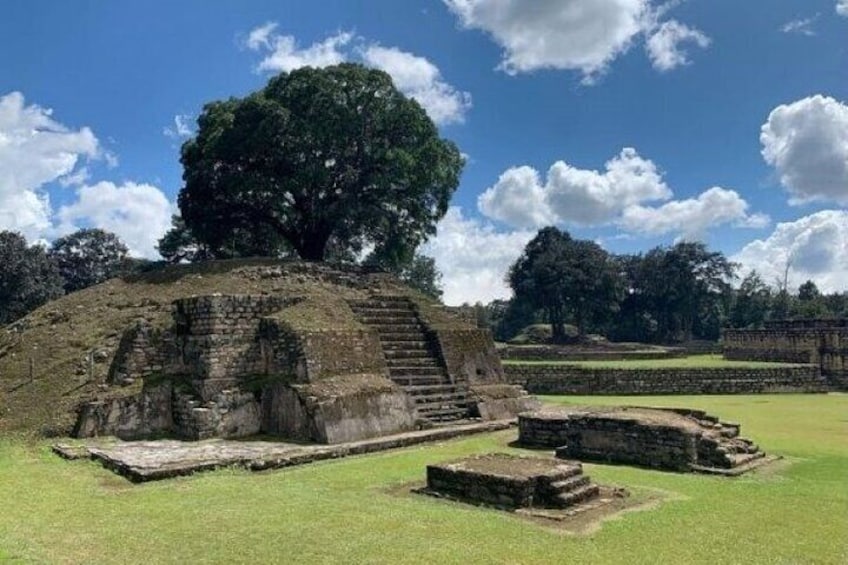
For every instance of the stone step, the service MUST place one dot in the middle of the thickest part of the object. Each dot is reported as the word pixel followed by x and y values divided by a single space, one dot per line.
pixel 407 381
pixel 579 495
pixel 433 388
pixel 443 413
pixel 454 398
pixel 408 371
pixel 408 353
pixel 384 329
pixel 405 345
pixel 383 310
pixel 574 482
pixel 421 361
pixel 744 458
pixel 395 337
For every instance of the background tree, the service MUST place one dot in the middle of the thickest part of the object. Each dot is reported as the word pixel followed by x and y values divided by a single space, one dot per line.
pixel 88 257
pixel 566 277
pixel 810 303
pixel 28 277
pixel 675 294
pixel 419 272
pixel 751 303
pixel 318 155
pixel 179 245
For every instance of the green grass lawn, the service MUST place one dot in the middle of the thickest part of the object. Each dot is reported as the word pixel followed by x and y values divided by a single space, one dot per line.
pixel 693 361
pixel 346 510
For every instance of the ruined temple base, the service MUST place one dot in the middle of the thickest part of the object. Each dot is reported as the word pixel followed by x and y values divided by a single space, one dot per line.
pixel 661 438
pixel 142 461
pixel 512 482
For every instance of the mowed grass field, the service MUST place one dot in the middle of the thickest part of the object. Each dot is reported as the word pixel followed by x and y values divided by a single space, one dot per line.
pixel 708 361
pixel 355 510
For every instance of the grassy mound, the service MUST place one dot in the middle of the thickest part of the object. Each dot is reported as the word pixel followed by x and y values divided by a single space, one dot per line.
pixel 59 355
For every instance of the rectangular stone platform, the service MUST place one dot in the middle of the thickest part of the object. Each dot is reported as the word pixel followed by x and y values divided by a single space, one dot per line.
pixel 141 461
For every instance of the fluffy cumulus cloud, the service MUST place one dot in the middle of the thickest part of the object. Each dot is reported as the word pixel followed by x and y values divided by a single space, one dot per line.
pixel 572 195
pixel 473 257
pixel 35 150
pixel 692 217
pixel 814 247
pixel 139 214
pixel 39 155
pixel 420 79
pixel 413 75
pixel 665 45
pixel 842 7
pixel 807 144
pixel 581 35
pixel 617 195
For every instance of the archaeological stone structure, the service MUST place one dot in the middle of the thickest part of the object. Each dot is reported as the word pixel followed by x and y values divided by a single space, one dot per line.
pixel 512 482
pixel 542 378
pixel 351 365
pixel 821 342
pixel 670 439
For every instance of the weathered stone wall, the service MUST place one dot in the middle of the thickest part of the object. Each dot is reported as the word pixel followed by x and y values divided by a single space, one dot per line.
pixel 573 379
pixel 665 447
pixel 671 439
pixel 137 416
pixel 336 410
pixel 820 342
pixel 554 353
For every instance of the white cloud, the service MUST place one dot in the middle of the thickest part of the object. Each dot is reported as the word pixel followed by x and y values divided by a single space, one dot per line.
pixel 420 79
pixel 692 217
pixel 181 128
pixel 801 26
pixel 415 76
pixel 285 55
pixel 35 150
pixel 473 257
pixel 664 45
pixel 572 195
pixel 815 247
pixel 581 35
pixel 842 7
pixel 139 214
pixel 807 143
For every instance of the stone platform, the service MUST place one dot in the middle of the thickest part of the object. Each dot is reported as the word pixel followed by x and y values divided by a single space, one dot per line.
pixel 141 461
pixel 669 439
pixel 512 482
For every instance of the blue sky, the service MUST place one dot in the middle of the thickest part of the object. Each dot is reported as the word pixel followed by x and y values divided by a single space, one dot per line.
pixel 631 122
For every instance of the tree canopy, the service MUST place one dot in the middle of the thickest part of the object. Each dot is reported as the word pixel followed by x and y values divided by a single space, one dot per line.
pixel 319 158
pixel 566 277
pixel 88 257
pixel 28 277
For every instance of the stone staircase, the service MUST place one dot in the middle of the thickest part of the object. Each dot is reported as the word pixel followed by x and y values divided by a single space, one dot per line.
pixel 413 361
pixel 570 488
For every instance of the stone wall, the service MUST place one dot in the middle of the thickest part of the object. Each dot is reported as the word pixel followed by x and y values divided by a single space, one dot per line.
pixel 573 379
pixel 678 440
pixel 555 353
pixel 823 343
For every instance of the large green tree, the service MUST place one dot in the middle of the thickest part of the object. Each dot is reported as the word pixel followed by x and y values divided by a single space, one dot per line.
pixel 677 293
pixel 566 277
pixel 318 158
pixel 28 277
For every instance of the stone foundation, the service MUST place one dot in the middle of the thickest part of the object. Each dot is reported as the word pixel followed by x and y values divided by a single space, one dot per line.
pixel 676 440
pixel 823 343
pixel 512 482
pixel 574 379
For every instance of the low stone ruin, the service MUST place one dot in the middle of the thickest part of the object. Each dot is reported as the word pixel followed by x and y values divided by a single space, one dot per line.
pixel 331 370
pixel 512 482
pixel 820 342
pixel 669 439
